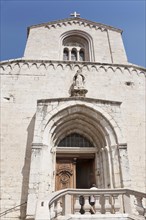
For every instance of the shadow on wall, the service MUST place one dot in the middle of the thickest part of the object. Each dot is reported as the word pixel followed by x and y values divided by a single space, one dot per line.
pixel 26 167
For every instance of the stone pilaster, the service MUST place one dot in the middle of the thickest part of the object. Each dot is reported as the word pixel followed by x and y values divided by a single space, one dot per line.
pixel 124 163
pixel 34 179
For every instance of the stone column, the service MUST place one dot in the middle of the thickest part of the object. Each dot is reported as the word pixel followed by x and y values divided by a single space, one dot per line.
pixel 101 170
pixel 104 166
pixel 78 56
pixel 124 165
pixel 110 167
pixel 70 54
pixel 34 179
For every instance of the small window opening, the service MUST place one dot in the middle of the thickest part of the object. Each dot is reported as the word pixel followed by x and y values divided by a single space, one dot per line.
pixel 75 48
pixel 73 55
pixel 82 55
pixel 75 140
pixel 65 54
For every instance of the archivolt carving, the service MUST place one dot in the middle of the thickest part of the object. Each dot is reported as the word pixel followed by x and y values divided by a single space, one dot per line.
pixel 92 117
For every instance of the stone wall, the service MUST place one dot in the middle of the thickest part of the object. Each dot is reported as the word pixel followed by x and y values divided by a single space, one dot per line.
pixel 24 82
pixel 45 41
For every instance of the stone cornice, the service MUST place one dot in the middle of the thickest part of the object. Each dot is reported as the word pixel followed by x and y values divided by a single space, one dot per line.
pixel 63 64
pixel 76 20
pixel 83 99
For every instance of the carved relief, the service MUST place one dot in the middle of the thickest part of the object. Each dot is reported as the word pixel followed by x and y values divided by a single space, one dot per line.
pixel 64 175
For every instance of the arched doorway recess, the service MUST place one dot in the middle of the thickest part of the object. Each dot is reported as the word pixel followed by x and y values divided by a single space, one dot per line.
pixel 99 122
pixel 85 121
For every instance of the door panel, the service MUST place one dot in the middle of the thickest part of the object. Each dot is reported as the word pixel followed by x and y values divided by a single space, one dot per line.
pixel 65 174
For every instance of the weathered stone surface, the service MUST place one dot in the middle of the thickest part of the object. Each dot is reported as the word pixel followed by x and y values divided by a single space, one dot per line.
pixel 116 89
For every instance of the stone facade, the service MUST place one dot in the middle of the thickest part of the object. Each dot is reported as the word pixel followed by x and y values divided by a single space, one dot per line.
pixel 38 109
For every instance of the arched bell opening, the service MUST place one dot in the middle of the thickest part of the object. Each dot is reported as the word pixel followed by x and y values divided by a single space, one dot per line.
pixel 81 41
pixel 96 159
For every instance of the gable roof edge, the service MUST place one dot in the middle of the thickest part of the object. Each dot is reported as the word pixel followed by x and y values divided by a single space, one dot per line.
pixel 96 24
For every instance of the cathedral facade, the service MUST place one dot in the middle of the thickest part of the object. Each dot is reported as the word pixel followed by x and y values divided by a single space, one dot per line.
pixel 73 114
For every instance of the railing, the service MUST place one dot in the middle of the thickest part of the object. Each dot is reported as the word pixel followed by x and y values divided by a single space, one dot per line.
pixel 15 208
pixel 107 201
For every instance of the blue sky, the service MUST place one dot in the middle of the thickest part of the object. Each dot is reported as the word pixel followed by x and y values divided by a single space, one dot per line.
pixel 128 15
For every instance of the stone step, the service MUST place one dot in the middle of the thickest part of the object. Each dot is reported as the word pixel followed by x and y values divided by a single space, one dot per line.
pixel 100 217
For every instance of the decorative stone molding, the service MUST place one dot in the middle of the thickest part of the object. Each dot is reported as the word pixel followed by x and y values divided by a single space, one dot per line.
pixel 7 67
pixel 76 21
pixel 122 146
pixel 37 145
pixel 83 105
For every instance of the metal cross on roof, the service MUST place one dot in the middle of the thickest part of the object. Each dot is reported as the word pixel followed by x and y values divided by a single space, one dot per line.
pixel 75 14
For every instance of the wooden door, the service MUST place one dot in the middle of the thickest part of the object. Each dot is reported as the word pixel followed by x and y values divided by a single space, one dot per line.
pixel 65 174
pixel 74 174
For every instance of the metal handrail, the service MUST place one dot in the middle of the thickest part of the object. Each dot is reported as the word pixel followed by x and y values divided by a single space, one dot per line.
pixel 8 210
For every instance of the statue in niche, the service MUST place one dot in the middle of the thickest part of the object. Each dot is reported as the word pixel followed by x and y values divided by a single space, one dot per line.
pixel 79 80
pixel 78 88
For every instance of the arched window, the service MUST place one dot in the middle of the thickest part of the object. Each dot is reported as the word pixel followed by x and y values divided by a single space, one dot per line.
pixel 75 140
pixel 74 55
pixel 65 54
pixel 75 48
pixel 81 55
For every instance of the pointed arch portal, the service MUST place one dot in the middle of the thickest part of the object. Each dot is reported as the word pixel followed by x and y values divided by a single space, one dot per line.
pixel 96 160
pixel 77 141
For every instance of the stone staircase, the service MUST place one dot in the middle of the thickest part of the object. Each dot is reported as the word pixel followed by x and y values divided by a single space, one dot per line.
pixel 111 204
